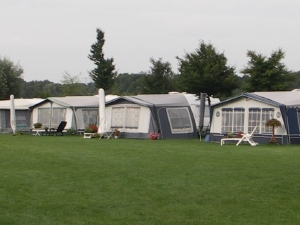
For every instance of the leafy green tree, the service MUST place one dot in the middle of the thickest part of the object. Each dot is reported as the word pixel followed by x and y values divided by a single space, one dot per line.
pixel 128 84
pixel 205 70
pixel 104 72
pixel 295 83
pixel 10 79
pixel 159 79
pixel 72 85
pixel 52 90
pixel 46 88
pixel 90 89
pixel 267 74
pixel 41 89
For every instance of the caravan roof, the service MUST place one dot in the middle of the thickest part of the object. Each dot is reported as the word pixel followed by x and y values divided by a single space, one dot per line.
pixel 77 101
pixel 20 103
pixel 155 99
pixel 288 98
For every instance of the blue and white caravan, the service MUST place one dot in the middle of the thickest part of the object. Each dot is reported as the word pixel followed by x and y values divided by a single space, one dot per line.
pixel 249 110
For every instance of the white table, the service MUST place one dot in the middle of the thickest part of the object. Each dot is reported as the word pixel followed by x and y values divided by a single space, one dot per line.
pixel 38 132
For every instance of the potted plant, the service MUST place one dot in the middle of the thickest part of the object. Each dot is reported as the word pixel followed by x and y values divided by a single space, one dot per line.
pixel 37 125
pixel 116 133
pixel 230 135
pixel 154 136
pixel 91 129
pixel 239 134
pixel 274 123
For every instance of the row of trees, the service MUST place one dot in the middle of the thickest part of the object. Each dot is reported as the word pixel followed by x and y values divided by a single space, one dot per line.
pixel 204 70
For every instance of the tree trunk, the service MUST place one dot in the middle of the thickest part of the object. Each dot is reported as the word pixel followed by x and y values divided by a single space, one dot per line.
pixel 273 140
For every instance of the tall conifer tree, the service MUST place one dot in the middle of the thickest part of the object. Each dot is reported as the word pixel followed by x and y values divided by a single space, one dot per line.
pixel 104 72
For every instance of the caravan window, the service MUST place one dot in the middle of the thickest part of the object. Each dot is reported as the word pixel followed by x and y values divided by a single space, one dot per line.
pixel 227 115
pixel 180 120
pixel 22 119
pixel 58 115
pixel 254 119
pixel 117 117
pixel 85 117
pixel 266 115
pixel 89 116
pixel 125 117
pixel 44 116
pixel 132 117
pixel 233 120
pixel 238 119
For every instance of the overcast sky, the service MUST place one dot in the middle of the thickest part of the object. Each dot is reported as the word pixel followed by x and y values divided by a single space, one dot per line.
pixel 48 37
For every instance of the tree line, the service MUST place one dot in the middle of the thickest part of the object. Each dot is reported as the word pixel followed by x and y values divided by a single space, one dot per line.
pixel 204 70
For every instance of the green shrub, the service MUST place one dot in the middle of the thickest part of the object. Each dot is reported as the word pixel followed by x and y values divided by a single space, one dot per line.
pixel 71 131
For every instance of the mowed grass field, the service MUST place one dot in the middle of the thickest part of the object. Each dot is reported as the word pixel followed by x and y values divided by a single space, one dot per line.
pixel 71 180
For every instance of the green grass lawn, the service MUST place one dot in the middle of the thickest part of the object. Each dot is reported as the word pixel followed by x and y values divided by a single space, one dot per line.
pixel 70 180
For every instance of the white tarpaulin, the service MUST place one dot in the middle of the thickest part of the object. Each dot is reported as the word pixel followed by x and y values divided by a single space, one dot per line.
pixel 12 114
pixel 102 119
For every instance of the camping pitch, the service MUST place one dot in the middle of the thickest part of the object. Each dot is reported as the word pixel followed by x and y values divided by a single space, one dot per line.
pixel 174 115
pixel 249 110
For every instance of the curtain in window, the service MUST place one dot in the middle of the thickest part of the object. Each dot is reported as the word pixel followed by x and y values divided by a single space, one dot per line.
pixel 254 119
pixel 86 117
pixel 132 117
pixel 21 118
pixel 58 115
pixel 44 116
pixel 238 119
pixel 90 116
pixel 227 115
pixel 266 115
pixel 233 120
pixel 117 117
pixel 79 119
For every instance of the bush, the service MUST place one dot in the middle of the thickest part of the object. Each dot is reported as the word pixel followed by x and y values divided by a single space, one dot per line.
pixel 92 128
pixel 70 131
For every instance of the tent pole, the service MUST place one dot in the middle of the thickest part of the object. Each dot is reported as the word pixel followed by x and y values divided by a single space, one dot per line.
pixel 51 114
pixel 201 113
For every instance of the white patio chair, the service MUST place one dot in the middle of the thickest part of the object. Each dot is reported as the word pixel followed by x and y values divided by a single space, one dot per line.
pixel 105 133
pixel 248 138
pixel 244 138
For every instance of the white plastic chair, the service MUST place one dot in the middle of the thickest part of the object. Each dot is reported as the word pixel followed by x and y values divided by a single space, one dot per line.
pixel 105 133
pixel 248 138
pixel 245 137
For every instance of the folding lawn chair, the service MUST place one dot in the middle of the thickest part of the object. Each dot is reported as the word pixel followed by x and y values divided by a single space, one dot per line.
pixel 59 129
pixel 244 138
pixel 248 138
